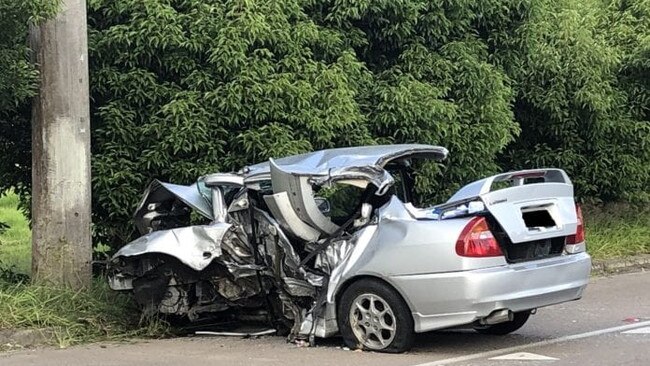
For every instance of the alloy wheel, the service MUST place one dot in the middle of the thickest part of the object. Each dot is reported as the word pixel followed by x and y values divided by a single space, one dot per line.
pixel 372 321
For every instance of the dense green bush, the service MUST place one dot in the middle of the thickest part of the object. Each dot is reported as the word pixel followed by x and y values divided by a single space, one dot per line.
pixel 626 26
pixel 181 88
pixel 569 105
pixel 184 88
pixel 433 81
pixel 18 84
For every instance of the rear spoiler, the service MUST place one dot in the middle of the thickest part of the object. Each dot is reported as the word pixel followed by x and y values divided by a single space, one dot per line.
pixel 516 178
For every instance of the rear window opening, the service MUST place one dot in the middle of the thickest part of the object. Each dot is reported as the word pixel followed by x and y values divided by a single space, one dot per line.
pixel 538 219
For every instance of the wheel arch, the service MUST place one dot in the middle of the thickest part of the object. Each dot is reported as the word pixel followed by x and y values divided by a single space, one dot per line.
pixel 347 283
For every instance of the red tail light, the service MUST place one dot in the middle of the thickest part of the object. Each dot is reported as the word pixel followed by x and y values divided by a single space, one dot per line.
pixel 476 240
pixel 579 236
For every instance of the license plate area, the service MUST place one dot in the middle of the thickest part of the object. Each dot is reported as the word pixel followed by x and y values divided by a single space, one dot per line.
pixel 538 218
pixel 528 250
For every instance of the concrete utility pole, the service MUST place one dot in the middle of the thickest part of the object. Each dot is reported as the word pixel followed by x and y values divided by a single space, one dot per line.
pixel 61 239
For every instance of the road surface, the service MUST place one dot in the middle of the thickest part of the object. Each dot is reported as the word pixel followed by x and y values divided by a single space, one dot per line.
pixel 609 326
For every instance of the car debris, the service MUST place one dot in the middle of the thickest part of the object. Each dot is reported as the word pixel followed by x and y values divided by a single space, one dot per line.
pixel 237 334
pixel 330 242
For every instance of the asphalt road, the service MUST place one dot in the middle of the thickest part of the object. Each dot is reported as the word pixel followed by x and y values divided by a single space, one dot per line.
pixel 609 326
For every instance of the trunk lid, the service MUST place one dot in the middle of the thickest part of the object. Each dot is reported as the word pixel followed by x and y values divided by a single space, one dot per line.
pixel 529 205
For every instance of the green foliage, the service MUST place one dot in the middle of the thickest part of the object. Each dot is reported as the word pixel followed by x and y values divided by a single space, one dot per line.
pixel 432 82
pixel 569 105
pixel 17 75
pixel 626 26
pixel 18 83
pixel 182 88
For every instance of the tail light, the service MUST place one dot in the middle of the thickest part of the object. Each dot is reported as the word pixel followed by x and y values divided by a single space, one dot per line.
pixel 576 243
pixel 579 236
pixel 476 240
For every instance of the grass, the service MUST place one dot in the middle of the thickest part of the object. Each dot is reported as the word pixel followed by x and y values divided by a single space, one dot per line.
pixel 73 317
pixel 617 230
pixel 15 242
pixel 69 316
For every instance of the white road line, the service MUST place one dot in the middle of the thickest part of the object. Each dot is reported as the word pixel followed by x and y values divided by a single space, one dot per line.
pixel 522 347
pixel 645 330
pixel 524 356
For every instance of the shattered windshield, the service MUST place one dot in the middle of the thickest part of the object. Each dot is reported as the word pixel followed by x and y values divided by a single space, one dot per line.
pixel 229 191
pixel 204 191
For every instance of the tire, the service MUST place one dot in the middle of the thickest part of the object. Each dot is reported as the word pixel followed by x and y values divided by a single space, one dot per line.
pixel 517 322
pixel 374 317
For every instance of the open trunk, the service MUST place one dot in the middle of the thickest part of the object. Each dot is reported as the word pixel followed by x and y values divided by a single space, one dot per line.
pixel 531 212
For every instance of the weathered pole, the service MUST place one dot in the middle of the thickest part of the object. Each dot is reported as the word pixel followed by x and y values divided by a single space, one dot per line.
pixel 61 239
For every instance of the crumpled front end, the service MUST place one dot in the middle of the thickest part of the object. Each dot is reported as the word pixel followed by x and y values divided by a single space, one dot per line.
pixel 257 244
pixel 246 266
pixel 217 268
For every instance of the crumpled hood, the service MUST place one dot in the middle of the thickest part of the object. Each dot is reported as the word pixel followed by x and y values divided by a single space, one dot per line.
pixel 195 246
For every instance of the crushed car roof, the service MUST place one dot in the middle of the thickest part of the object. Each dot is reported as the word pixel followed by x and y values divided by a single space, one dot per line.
pixel 322 161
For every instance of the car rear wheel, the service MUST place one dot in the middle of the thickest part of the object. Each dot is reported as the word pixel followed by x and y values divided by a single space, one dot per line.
pixel 373 316
pixel 518 321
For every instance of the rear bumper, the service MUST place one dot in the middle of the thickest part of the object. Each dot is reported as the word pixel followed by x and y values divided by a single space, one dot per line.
pixel 444 300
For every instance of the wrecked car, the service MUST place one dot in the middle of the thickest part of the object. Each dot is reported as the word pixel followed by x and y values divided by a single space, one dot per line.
pixel 333 242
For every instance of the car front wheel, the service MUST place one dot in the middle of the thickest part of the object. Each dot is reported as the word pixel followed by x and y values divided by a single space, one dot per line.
pixel 373 316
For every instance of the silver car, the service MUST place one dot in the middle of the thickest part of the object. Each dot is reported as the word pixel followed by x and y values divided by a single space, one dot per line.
pixel 334 242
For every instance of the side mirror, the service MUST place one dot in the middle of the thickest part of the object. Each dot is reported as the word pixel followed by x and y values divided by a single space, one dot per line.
pixel 366 213
pixel 323 205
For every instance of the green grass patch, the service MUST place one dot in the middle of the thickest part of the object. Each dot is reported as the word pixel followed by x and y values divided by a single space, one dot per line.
pixel 16 240
pixel 73 317
pixel 617 230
